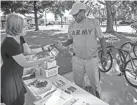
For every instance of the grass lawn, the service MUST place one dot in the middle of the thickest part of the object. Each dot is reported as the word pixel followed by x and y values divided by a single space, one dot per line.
pixel 44 37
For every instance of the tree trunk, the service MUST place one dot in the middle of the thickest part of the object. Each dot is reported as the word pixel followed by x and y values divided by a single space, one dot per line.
pixel 36 18
pixel 113 17
pixel 65 20
pixel 109 28
pixel 61 22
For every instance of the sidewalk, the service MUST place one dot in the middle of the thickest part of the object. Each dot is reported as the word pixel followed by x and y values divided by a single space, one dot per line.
pixel 126 29
pixel 115 90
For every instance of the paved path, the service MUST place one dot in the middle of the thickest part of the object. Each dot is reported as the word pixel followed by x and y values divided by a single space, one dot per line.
pixel 126 29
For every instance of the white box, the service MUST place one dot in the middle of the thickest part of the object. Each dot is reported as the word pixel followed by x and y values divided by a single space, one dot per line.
pixel 49 72
pixel 49 65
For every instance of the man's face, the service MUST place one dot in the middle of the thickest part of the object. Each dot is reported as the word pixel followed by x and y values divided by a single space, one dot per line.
pixel 79 16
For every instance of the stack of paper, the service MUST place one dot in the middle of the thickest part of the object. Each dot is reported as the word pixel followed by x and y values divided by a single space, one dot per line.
pixel 59 97
pixel 39 92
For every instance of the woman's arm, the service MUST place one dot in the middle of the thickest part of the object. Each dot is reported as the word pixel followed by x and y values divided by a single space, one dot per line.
pixel 29 51
pixel 20 59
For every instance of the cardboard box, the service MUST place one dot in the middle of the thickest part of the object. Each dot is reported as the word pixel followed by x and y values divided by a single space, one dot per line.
pixel 48 65
pixel 49 72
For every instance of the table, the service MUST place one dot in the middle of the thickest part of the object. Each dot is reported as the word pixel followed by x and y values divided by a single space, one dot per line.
pixel 78 94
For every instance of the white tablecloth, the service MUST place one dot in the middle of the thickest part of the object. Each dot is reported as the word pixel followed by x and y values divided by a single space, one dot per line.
pixel 78 94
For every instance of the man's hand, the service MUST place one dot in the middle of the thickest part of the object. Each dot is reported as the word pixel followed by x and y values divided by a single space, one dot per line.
pixel 45 48
pixel 104 60
pixel 60 46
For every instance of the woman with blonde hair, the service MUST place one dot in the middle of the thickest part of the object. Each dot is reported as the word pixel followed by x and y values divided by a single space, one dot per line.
pixel 12 49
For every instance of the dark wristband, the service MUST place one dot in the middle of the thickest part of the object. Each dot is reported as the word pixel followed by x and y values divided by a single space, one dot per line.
pixel 42 48
pixel 22 39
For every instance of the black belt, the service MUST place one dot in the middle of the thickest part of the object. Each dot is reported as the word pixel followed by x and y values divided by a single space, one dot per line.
pixel 74 54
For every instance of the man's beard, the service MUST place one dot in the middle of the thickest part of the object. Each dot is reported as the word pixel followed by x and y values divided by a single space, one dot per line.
pixel 80 20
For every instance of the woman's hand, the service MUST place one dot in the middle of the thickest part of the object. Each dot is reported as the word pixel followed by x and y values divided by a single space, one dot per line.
pixel 47 58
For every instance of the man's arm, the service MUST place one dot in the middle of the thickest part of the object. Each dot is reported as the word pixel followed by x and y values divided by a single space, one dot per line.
pixel 62 45
pixel 103 46
pixel 99 34
pixel 67 42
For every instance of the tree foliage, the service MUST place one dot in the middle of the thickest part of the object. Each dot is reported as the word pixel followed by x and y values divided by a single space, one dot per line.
pixel 111 13
pixel 15 6
pixel 58 8
pixel 68 4
pixel 126 9
pixel 113 10
pixel 36 7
